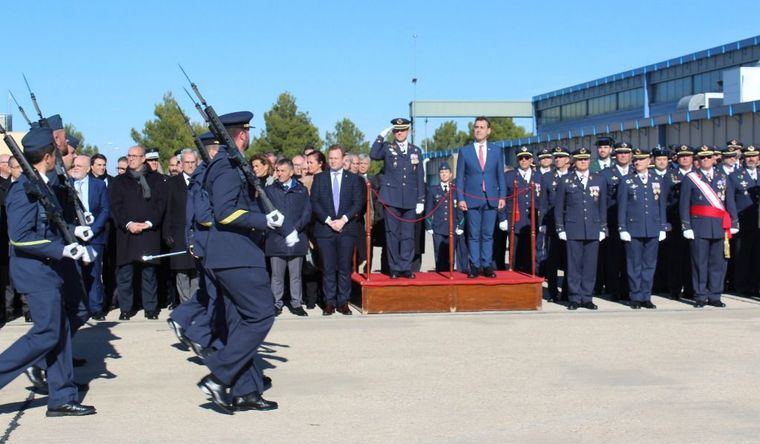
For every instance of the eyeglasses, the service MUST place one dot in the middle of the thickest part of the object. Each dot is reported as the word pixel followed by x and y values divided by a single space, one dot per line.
pixel 135 156
pixel 121 169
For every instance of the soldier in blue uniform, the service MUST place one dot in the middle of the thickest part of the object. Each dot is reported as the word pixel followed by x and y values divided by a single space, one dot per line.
pixel 36 267
pixel 580 212
pixel 641 222
pixel 661 159
pixel 729 163
pixel 612 268
pixel 556 251
pixel 519 183
pixel 677 247
pixel 239 266
pixel 544 166
pixel 708 219
pixel 437 223
pixel 402 191
pixel 746 195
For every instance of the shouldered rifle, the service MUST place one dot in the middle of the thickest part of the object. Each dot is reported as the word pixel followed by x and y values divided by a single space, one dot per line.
pixel 20 109
pixel 60 169
pixel 198 143
pixel 216 126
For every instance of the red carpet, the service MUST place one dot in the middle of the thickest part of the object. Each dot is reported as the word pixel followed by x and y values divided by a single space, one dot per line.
pixel 426 278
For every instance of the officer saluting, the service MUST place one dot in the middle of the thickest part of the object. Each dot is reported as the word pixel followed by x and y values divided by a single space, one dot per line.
pixel 37 269
pixel 580 213
pixel 708 219
pixel 402 191
pixel 642 221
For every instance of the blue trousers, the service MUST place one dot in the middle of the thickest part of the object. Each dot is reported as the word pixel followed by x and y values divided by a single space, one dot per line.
pixel 641 261
pixel 93 278
pixel 708 268
pixel 337 254
pixel 48 340
pixel 581 269
pixel 75 296
pixel 480 225
pixel 250 315
pixel 399 239
pixel 202 317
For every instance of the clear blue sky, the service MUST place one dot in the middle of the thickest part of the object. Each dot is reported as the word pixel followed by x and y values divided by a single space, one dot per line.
pixel 104 65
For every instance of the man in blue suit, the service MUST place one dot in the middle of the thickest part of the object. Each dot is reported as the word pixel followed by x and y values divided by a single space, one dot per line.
pixel 402 191
pixel 337 201
pixel 642 222
pixel 481 191
pixel 94 195
pixel 37 253
pixel 580 213
pixel 708 219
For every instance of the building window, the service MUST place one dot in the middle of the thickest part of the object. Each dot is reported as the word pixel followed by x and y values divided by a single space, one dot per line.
pixel 672 90
pixel 708 82
pixel 574 110
pixel 633 98
pixel 602 105
pixel 548 116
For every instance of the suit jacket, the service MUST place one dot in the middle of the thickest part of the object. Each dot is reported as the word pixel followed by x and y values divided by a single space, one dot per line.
pixel 469 180
pixel 174 227
pixel 581 213
pixel 706 227
pixel 99 204
pixel 351 203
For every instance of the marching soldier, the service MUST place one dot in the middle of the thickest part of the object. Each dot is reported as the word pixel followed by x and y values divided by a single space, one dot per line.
pixel 437 223
pixel 402 191
pixel 746 195
pixel 556 257
pixel 580 212
pixel 641 221
pixel 708 219
pixel 676 245
pixel 519 183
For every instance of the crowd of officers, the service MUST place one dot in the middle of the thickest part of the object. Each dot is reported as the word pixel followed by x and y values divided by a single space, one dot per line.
pixel 628 224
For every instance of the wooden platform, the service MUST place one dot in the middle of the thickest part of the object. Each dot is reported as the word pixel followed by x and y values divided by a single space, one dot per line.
pixel 433 292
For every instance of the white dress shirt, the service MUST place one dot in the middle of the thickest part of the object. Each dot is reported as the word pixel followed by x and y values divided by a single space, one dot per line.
pixel 82 186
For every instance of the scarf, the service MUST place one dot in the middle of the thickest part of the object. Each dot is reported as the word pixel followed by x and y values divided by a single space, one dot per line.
pixel 140 176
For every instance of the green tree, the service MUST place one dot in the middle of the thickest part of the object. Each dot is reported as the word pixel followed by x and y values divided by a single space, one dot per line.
pixel 503 128
pixel 168 131
pixel 347 135
pixel 84 148
pixel 445 137
pixel 287 130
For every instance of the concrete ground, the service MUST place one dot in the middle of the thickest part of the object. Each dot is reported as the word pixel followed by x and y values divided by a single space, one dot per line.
pixel 675 374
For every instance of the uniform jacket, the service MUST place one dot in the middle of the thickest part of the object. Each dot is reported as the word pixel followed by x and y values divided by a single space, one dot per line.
pixel 547 198
pixel 294 203
pixel 351 203
pixel 523 198
pixel 746 197
pixel 174 228
pixel 707 227
pixel 641 207
pixel 403 180
pixel 438 221
pixel 198 214
pixel 581 213
pixel 469 179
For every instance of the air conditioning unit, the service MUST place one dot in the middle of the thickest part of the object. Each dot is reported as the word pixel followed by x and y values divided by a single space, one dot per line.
pixel 700 101
pixel 741 84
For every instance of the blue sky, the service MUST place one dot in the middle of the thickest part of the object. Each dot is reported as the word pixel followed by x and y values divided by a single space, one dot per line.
pixel 104 65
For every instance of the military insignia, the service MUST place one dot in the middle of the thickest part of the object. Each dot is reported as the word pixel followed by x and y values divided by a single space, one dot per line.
pixel 393 151
pixel 593 191
pixel 615 179
pixel 415 158
pixel 656 190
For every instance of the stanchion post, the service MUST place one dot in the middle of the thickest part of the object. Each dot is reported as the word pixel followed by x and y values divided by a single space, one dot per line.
pixel 368 229
pixel 533 228
pixel 452 239
pixel 513 213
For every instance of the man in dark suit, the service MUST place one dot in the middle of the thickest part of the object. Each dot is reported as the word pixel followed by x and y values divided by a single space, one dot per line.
pixel 183 266
pixel 94 195
pixel 481 190
pixel 336 201
pixel 99 168
pixel 138 200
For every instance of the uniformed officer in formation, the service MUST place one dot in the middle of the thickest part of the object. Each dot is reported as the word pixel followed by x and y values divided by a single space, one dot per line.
pixel 676 245
pixel 642 225
pixel 437 223
pixel 580 212
pixel 556 258
pixel 708 219
pixel 661 168
pixel 402 191
pixel 520 183
pixel 37 269
pixel 746 195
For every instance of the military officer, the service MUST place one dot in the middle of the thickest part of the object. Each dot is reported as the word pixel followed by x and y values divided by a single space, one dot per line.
pixel 556 253
pixel 402 192
pixel 545 161
pixel 36 256
pixel 437 223
pixel 730 156
pixel 676 246
pixel 641 222
pixel 581 218
pixel 519 184
pixel 239 266
pixel 708 219
pixel 603 151
pixel 746 195
pixel 661 158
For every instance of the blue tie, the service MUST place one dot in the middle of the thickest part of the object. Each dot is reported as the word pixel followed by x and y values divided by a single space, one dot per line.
pixel 336 193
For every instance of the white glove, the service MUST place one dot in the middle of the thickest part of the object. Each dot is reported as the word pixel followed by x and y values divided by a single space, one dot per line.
pixel 542 229
pixel 602 236
pixel 419 208
pixel 83 232
pixel 429 232
pixel 504 225
pixel 459 231
pixel 562 235
pixel 384 133
pixel 291 239
pixel 734 230
pixel 89 254
pixel 688 234
pixel 88 218
pixel 624 236
pixel 271 223
pixel 662 236
pixel 73 251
